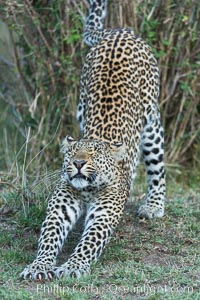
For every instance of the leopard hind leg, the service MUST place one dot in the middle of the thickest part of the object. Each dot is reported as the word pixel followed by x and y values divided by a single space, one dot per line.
pixel 152 144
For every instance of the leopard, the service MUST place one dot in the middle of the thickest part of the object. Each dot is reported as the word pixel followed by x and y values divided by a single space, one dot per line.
pixel 120 121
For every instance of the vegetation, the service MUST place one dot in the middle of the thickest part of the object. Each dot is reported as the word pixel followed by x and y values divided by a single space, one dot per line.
pixel 41 54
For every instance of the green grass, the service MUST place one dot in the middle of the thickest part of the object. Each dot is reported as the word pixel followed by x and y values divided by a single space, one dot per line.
pixel 158 259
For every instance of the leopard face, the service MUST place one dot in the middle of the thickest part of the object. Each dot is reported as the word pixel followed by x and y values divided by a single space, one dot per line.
pixel 90 163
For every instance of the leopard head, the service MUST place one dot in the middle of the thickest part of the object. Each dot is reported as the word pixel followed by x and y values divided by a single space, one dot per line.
pixel 90 163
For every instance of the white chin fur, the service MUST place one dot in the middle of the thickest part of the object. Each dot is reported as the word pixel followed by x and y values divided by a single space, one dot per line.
pixel 79 183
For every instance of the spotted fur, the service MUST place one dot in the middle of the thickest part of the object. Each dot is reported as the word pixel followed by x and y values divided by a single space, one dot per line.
pixel 119 118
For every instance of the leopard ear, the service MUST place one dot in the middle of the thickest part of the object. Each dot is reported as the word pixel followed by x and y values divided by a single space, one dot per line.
pixel 118 150
pixel 68 140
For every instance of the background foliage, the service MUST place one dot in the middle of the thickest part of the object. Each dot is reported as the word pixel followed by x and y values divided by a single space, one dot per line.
pixel 41 54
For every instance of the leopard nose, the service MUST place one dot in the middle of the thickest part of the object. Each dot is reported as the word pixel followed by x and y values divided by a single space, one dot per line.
pixel 79 163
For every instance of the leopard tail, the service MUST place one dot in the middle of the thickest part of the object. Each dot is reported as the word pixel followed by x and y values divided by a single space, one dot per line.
pixel 93 31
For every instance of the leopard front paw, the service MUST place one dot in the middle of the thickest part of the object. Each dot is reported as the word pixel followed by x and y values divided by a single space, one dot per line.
pixel 38 270
pixel 148 212
pixel 72 269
